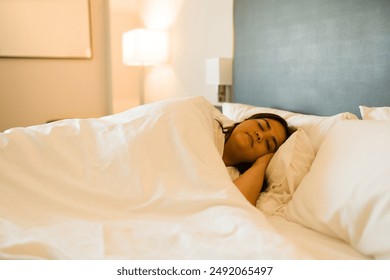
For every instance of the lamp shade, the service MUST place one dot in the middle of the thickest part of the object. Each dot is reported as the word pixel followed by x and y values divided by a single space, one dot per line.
pixel 144 47
pixel 219 71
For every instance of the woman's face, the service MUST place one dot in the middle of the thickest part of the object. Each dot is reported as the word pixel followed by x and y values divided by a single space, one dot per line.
pixel 252 139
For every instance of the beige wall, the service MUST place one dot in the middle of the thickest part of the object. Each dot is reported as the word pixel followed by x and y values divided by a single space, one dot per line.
pixel 33 91
pixel 123 15
pixel 202 29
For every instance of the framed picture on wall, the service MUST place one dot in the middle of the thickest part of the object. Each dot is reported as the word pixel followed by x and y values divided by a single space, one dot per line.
pixel 45 29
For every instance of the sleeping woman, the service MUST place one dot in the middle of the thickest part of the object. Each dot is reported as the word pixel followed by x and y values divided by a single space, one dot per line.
pixel 249 147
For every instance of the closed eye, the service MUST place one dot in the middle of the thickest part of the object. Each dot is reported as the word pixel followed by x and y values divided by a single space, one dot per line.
pixel 267 123
pixel 275 144
pixel 261 124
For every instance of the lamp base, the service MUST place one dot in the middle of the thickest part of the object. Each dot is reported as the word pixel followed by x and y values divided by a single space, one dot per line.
pixel 224 93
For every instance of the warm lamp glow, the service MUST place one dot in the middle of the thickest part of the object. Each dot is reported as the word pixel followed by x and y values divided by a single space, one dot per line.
pixel 159 14
pixel 144 47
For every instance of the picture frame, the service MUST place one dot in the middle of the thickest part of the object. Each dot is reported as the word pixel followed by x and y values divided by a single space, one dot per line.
pixel 45 29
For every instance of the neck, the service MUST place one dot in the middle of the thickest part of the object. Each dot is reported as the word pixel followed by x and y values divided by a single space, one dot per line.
pixel 227 159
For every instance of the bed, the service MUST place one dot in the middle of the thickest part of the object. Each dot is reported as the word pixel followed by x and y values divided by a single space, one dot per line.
pixel 149 183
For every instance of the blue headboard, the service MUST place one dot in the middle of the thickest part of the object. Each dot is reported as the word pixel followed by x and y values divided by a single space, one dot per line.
pixel 312 56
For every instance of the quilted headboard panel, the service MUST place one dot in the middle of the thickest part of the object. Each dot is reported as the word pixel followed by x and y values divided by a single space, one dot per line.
pixel 312 56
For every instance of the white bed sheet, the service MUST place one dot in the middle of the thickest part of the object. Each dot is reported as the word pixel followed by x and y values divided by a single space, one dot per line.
pixel 148 183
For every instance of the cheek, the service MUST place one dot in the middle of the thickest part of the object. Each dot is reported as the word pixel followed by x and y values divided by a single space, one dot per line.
pixel 252 154
pixel 241 140
pixel 261 149
pixel 258 151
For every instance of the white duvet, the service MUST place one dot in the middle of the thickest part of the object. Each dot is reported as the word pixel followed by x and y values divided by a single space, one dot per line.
pixel 148 183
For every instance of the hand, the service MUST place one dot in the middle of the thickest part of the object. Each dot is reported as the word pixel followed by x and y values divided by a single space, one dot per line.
pixel 264 160
pixel 251 181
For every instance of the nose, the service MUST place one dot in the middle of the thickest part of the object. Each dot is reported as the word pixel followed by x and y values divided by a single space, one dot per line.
pixel 259 136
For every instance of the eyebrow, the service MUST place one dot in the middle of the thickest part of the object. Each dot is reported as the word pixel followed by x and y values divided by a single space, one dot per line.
pixel 267 123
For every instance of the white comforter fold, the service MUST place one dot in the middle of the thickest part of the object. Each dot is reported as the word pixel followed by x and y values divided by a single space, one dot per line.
pixel 148 183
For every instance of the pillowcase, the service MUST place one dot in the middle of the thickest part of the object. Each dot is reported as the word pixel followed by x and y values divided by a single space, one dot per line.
pixel 375 113
pixel 285 171
pixel 316 127
pixel 346 193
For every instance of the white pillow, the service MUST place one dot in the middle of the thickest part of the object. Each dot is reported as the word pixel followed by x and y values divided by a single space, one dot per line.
pixel 375 113
pixel 316 127
pixel 346 193
pixel 285 171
